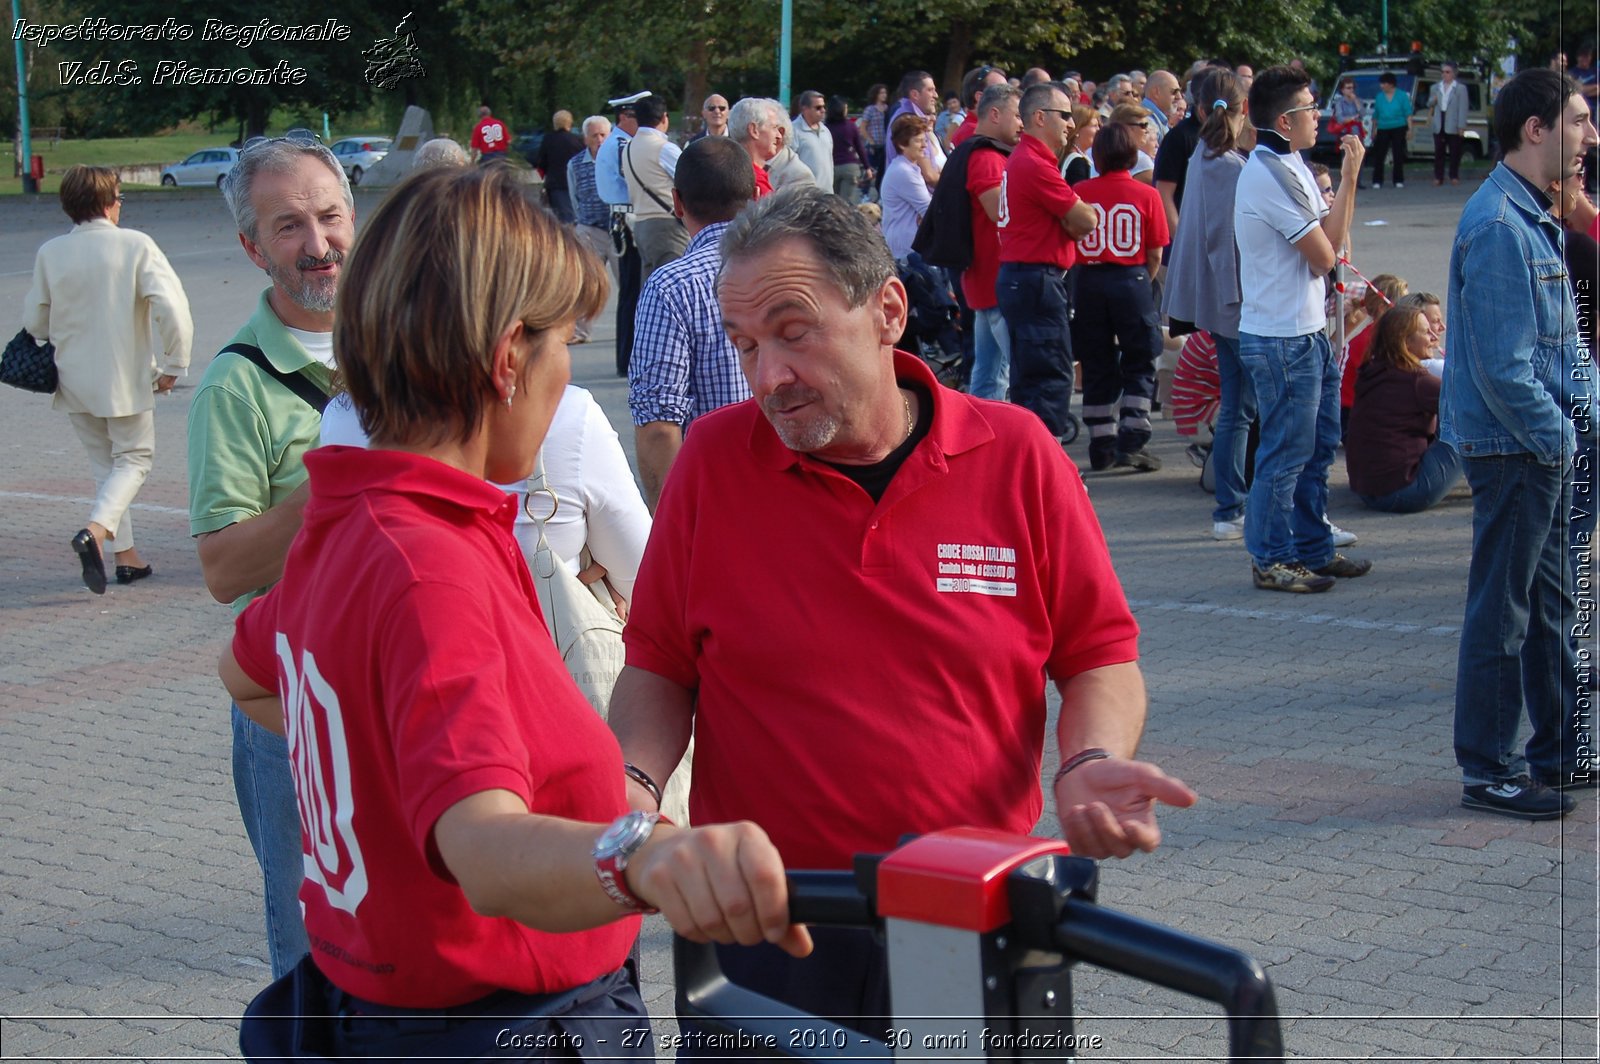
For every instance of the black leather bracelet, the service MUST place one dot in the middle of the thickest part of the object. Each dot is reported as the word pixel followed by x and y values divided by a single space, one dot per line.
pixel 642 778
pixel 1082 757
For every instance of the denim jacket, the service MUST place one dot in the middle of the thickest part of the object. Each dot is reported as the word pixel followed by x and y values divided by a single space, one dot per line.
pixel 1512 379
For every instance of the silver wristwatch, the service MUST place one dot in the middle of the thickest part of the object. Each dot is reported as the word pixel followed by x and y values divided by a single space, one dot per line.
pixel 611 853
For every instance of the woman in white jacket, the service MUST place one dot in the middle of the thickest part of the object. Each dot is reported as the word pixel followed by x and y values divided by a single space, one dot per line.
pixel 95 292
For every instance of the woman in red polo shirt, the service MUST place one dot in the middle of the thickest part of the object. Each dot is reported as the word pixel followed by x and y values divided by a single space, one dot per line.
pixel 468 848
pixel 1115 304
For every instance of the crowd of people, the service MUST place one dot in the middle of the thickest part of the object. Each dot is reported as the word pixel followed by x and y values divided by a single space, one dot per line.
pixel 445 826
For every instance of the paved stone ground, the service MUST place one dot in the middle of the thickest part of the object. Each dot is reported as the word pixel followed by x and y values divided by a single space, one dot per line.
pixel 1328 843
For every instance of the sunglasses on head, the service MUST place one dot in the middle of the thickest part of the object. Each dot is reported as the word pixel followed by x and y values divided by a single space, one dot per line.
pixel 298 135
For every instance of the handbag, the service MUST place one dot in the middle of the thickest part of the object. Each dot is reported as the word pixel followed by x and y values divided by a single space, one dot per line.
pixel 29 365
pixel 581 618
pixel 583 622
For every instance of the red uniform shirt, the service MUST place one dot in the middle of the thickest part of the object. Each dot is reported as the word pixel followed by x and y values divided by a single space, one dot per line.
pixel 869 669
pixel 1130 220
pixel 406 642
pixel 763 182
pixel 985 169
pixel 489 137
pixel 1033 199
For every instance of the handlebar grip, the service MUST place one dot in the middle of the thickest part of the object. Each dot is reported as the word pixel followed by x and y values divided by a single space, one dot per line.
pixel 829 898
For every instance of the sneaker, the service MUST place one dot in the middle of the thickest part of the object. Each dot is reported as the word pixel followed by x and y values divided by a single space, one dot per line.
pixel 1198 453
pixel 1521 798
pixel 1345 568
pixel 1228 529
pixel 1399 184
pixel 1289 576
pixel 1341 538
pixel 1379 184
pixel 1141 460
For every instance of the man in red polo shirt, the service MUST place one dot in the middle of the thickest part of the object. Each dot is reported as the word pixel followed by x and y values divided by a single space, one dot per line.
pixel 972 86
pixel 1040 219
pixel 1000 124
pixel 822 554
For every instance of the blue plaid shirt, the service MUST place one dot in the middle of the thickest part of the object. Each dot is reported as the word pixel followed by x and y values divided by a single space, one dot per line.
pixel 683 364
pixel 586 202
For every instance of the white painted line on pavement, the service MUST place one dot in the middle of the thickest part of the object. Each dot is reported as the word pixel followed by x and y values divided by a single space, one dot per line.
pixel 39 497
pixel 1448 631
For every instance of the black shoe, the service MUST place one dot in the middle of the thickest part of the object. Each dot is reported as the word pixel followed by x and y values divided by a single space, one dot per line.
pixel 1521 798
pixel 1102 454
pixel 1571 781
pixel 1344 568
pixel 94 566
pixel 127 574
pixel 1141 460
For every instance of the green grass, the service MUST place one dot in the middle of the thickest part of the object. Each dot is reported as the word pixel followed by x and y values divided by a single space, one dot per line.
pixel 162 149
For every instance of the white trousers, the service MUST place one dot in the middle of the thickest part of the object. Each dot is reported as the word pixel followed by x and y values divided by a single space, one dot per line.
pixel 121 451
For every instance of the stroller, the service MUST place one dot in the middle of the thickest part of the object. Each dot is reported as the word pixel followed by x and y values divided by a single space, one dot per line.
pixel 933 327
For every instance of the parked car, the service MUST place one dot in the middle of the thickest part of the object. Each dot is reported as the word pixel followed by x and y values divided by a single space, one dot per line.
pixel 205 167
pixel 525 142
pixel 358 154
pixel 1475 138
pixel 1419 138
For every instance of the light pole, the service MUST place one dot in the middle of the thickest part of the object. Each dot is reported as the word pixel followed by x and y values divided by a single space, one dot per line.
pixel 785 33
pixel 29 184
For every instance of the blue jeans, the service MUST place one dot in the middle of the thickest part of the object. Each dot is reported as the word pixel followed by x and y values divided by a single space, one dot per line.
pixel 1297 394
pixel 1514 648
pixel 1439 472
pixel 991 355
pixel 265 789
pixel 1231 433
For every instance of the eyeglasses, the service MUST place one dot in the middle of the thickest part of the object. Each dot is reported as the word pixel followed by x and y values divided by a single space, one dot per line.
pixel 1326 190
pixel 1066 116
pixel 1302 107
pixel 715 107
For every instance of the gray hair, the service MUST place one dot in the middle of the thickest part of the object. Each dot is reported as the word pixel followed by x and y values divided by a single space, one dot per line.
pixel 592 121
pixel 440 151
pixel 758 111
pixel 996 96
pixel 851 249
pixel 1116 83
pixel 276 156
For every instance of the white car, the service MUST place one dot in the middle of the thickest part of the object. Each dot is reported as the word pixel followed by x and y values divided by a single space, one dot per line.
pixel 358 154
pixel 205 167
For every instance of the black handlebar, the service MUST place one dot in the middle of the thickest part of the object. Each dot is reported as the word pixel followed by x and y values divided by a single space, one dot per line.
pixel 1053 909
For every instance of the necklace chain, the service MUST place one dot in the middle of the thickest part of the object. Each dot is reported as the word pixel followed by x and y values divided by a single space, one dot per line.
pixel 911 422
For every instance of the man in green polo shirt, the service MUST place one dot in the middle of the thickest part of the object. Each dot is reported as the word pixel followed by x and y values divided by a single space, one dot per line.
pixel 255 414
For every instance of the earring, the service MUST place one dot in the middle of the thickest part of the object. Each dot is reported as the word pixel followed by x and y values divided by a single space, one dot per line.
pixel 510 395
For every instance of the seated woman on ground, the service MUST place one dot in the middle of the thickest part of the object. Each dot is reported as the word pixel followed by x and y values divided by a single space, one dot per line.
pixel 1377 297
pixel 1429 304
pixel 1396 461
